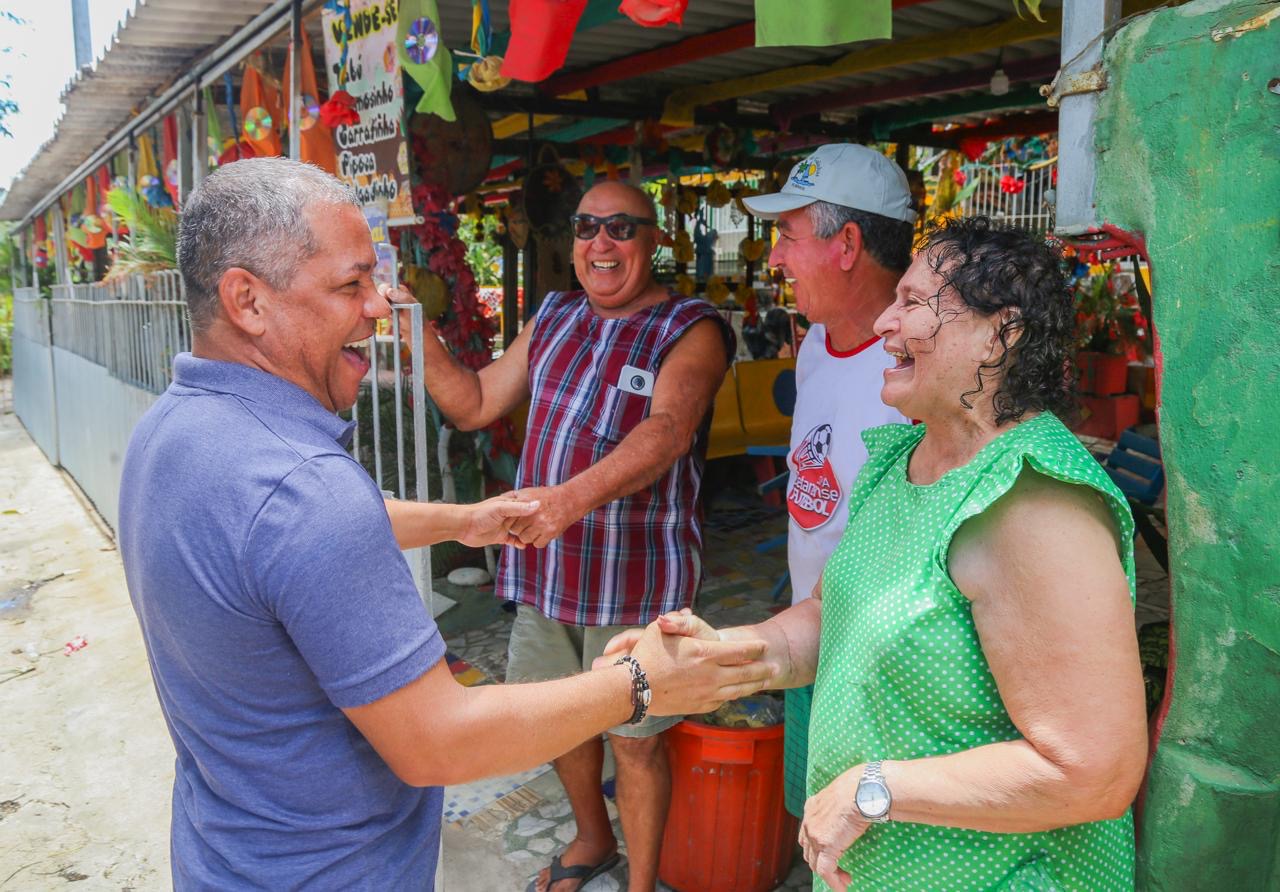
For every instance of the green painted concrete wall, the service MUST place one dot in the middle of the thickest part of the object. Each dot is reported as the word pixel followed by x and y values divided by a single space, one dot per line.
pixel 1189 141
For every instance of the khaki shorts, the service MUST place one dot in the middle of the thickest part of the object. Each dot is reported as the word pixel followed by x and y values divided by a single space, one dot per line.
pixel 542 649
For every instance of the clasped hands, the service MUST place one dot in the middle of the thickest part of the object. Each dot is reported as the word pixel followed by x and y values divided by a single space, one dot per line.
pixel 532 516
pixel 832 822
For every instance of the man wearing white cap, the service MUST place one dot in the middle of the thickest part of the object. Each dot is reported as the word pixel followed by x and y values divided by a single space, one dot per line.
pixel 844 222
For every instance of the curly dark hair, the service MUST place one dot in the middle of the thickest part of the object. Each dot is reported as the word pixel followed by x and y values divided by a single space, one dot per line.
pixel 994 270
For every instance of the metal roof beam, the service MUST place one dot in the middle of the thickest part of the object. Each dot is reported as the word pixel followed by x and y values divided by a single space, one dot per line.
pixel 228 53
pixel 933 85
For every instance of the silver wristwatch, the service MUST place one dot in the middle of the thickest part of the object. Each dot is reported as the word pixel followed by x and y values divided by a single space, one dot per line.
pixel 872 798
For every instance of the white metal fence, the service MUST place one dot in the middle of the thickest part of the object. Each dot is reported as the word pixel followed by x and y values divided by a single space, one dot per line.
pixel 1029 203
pixel 134 326
pixel 91 360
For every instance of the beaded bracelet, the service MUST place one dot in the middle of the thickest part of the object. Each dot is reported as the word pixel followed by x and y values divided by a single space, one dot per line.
pixel 641 695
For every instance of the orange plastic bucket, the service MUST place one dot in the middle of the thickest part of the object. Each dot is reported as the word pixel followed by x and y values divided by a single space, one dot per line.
pixel 728 829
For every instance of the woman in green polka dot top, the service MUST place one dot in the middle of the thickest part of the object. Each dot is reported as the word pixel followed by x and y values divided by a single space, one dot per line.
pixel 978 716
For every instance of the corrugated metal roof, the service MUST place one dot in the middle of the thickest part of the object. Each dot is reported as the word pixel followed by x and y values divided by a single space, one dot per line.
pixel 154 45
pixel 161 40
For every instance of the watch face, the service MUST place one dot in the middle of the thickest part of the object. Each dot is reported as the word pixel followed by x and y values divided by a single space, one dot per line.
pixel 872 799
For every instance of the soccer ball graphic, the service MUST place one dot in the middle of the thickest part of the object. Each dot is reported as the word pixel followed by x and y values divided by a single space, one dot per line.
pixel 815 448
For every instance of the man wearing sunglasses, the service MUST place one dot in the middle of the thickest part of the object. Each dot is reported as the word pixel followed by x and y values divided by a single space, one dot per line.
pixel 621 377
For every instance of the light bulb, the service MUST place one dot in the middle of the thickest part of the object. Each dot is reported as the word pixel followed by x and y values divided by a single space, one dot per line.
pixel 999 83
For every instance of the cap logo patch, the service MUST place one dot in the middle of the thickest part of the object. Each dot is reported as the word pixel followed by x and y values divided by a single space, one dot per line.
pixel 804 173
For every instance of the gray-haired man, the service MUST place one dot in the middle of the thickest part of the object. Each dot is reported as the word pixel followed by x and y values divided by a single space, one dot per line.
pixel 844 220
pixel 300 674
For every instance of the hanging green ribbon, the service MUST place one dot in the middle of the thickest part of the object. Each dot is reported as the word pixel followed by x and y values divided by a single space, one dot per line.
pixel 424 56
pixel 213 125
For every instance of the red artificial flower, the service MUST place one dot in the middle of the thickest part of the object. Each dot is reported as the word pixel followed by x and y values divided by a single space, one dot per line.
pixel 340 109
pixel 1012 185
pixel 960 177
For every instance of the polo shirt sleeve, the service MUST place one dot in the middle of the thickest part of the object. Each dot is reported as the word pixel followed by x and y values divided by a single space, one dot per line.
pixel 322 560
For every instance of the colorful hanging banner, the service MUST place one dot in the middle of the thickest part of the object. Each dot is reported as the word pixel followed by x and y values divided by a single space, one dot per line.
pixel 821 22
pixel 315 140
pixel 260 114
pixel 541 31
pixel 360 48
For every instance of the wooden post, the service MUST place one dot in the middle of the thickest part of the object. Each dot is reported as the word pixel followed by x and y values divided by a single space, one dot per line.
pixel 510 291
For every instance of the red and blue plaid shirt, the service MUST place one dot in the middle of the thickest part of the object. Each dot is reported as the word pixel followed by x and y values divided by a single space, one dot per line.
pixel 638 556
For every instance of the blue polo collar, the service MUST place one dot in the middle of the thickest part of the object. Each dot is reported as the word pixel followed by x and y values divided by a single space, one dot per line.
pixel 258 386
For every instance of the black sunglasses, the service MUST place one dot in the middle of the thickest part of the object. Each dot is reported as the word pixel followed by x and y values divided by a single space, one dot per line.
pixel 619 227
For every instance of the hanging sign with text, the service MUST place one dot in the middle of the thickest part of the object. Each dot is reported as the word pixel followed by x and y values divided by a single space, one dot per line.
pixel 360 54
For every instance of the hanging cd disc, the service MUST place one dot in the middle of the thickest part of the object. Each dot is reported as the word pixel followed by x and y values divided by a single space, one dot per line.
pixel 422 41
pixel 257 123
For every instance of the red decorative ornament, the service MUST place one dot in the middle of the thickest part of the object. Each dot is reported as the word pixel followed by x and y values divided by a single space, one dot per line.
pixel 974 148
pixel 654 13
pixel 541 31
pixel 340 109
pixel 1011 185
pixel 960 177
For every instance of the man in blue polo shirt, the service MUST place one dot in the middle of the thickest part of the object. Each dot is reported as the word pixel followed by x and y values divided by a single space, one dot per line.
pixel 297 668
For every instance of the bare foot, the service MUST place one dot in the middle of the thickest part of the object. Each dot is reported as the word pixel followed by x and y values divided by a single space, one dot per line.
pixel 577 852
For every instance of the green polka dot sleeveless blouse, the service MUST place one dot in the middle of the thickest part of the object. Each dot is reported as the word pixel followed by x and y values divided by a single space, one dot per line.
pixel 901 674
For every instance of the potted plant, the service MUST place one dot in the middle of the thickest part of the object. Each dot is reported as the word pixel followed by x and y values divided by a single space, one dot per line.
pixel 1110 328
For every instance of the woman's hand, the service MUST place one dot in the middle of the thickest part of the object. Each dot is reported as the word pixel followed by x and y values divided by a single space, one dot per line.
pixel 677 622
pixel 831 824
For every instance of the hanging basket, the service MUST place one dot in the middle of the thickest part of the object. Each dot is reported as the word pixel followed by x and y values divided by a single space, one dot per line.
pixel 551 194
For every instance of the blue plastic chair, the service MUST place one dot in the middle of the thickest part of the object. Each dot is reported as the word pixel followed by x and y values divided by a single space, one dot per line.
pixel 1136 468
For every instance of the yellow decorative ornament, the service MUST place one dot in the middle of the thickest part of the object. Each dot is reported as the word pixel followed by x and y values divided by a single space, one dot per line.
pixel 687 201
pixel 740 193
pixel 685 285
pixel 742 292
pixel 717 290
pixel 486 75
pixel 473 205
pixel 751 249
pixel 430 290
pixel 682 250
pixel 718 194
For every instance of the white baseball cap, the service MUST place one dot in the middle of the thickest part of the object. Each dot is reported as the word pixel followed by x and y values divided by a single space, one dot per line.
pixel 842 173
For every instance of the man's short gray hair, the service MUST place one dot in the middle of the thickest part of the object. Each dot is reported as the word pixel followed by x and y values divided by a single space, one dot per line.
pixel 887 240
pixel 251 214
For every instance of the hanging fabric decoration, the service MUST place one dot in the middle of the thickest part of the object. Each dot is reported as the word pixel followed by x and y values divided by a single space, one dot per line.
pixel 821 22
pixel 95 229
pixel 213 128
pixel 654 13
pixel 150 185
pixel 169 157
pixel 541 31
pixel 256 106
pixel 424 56
pixel 315 140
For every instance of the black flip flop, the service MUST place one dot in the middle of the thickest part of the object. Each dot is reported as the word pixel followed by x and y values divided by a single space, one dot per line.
pixel 583 872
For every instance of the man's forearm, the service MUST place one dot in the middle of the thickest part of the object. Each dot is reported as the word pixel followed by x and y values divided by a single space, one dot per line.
pixel 419 524
pixel 502 729
pixel 643 456
pixel 455 388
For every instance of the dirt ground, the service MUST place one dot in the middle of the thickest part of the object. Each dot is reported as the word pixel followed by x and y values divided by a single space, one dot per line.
pixel 87 762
